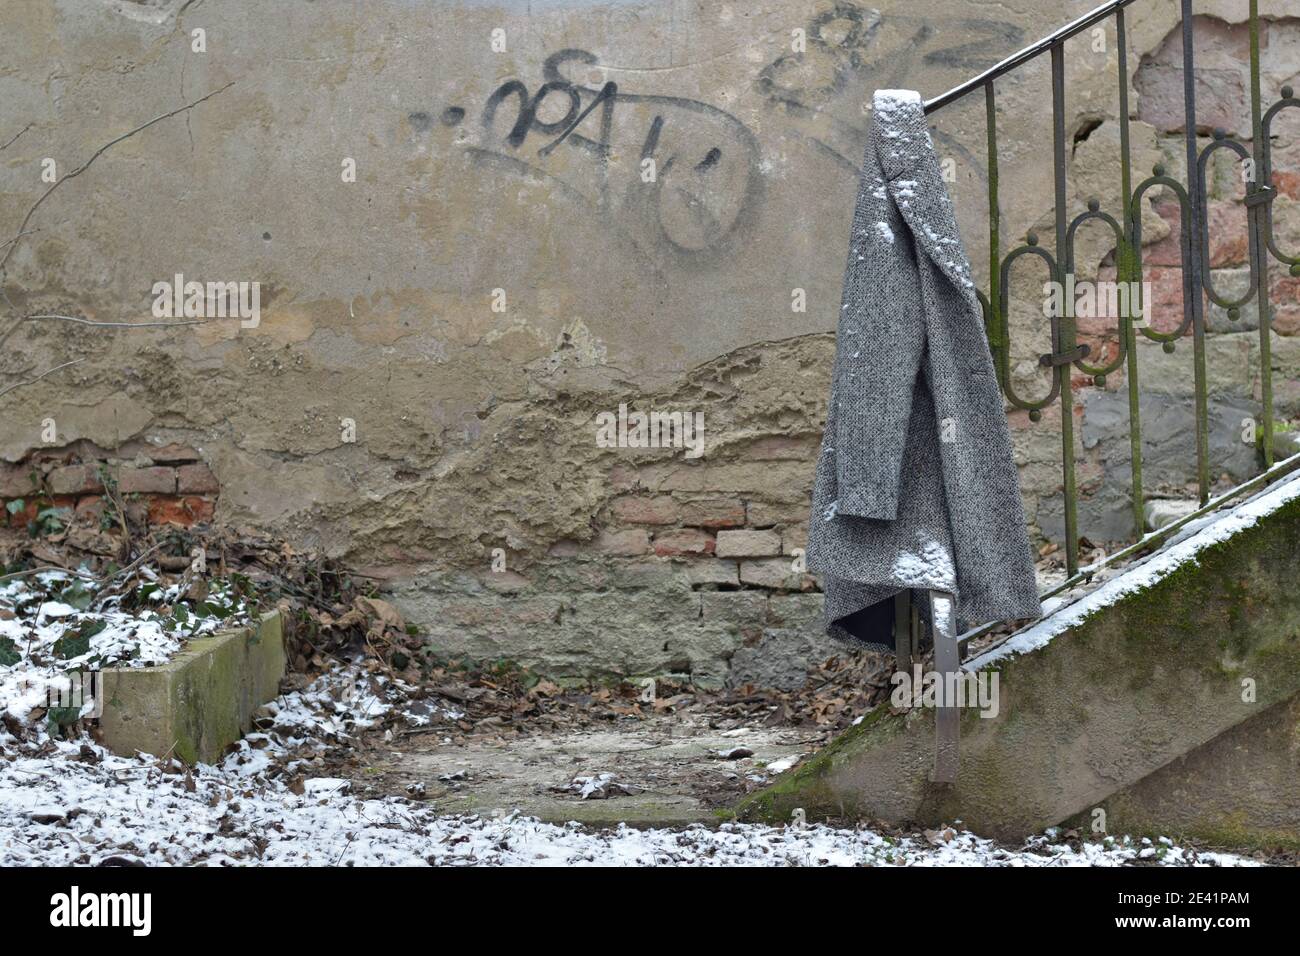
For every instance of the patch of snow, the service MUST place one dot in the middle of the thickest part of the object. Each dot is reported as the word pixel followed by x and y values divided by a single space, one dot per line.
pixel 928 567
pixel 905 188
pixel 325 786
pixel 40 639
pixel 600 786
pixel 59 811
pixel 890 101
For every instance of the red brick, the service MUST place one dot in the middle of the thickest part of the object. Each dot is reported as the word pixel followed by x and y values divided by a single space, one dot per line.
pixel 1227 230
pixel 1287 183
pixel 15 480
pixel 75 480
pixel 33 505
pixel 1165 308
pixel 22 516
pixel 683 541
pixel 156 480
pixel 196 479
pixel 91 506
pixel 186 511
pixel 714 513
pixel 659 510
pixel 1285 301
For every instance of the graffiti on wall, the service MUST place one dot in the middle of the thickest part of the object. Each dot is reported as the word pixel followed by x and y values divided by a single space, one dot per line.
pixel 681 181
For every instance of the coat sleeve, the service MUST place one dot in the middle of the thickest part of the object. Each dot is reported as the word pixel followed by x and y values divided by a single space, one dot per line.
pixel 879 347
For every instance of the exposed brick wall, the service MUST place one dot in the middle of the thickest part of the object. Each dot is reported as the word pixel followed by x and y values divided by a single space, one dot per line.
pixel 725 543
pixel 691 568
pixel 167 484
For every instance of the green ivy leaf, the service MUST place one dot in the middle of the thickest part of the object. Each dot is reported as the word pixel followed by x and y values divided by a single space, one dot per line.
pixel 53 519
pixel 62 716
pixel 213 609
pixel 74 644
pixel 76 594
pixel 9 652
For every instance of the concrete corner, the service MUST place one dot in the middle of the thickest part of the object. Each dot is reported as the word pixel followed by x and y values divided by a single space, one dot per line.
pixel 201 701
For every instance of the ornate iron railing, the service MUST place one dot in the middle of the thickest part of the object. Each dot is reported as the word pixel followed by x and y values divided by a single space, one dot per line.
pixel 1067 353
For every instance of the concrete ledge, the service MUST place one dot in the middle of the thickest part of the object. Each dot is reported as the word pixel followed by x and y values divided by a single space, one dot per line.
pixel 201 701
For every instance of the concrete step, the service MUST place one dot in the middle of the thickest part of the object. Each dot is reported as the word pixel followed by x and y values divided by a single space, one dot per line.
pixel 1239 790
pixel 1157 662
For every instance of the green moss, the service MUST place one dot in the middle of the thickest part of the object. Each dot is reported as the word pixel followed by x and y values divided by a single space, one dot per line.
pixel 1230 833
pixel 806 786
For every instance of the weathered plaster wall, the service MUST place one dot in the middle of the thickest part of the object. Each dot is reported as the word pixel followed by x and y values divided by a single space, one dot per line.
pixel 474 299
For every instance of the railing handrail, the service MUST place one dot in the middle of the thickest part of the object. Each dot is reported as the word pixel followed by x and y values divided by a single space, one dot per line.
pixel 1028 53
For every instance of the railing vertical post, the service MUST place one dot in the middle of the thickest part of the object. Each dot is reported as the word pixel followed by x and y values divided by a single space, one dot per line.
pixel 1065 326
pixel 1193 277
pixel 998 338
pixel 905 636
pixel 1259 244
pixel 1126 272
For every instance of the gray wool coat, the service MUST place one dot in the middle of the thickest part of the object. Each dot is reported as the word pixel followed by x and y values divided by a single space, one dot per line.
pixel 916 487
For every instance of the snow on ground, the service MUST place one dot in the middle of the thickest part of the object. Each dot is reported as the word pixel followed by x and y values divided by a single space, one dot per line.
pixel 71 802
pixel 272 800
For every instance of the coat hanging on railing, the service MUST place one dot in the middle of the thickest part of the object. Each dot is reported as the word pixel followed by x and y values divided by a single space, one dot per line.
pixel 916 487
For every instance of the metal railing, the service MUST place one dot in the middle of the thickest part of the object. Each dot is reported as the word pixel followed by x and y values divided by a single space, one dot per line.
pixel 1066 352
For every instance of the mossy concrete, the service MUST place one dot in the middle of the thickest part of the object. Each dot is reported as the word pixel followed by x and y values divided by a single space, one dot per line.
pixel 200 701
pixel 1105 704
pixel 666 767
pixel 1240 790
